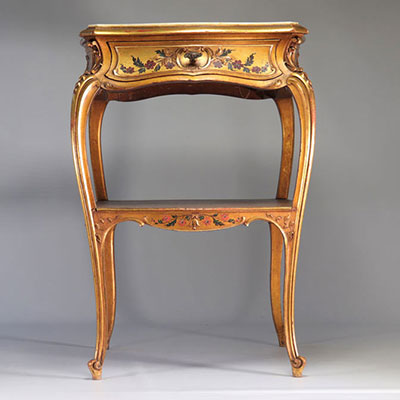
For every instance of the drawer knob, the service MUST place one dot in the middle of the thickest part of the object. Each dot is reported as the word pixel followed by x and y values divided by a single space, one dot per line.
pixel 193 58
pixel 192 55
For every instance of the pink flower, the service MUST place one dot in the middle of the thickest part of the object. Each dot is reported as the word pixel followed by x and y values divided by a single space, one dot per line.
pixel 207 220
pixel 217 64
pixel 150 64
pixel 181 222
pixel 225 217
pixel 237 64
pixel 166 218
pixel 256 69
pixel 169 65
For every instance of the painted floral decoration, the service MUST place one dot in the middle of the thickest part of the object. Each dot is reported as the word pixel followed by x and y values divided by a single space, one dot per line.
pixel 196 220
pixel 220 58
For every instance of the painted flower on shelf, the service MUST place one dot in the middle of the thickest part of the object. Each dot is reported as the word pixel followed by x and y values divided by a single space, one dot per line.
pixel 220 58
pixel 224 217
pixel 166 218
pixel 207 220
pixel 196 221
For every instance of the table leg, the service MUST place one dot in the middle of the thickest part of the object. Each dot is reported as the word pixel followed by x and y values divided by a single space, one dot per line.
pixel 303 94
pixel 84 93
pixel 286 112
pixel 109 280
pixel 275 281
pixel 95 121
pixel 298 362
pixel 96 114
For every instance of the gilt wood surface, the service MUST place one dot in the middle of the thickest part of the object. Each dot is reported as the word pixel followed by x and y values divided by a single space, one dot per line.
pixel 133 62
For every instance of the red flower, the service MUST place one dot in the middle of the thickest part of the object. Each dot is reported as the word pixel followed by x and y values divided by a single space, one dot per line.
pixel 237 64
pixel 181 222
pixel 224 217
pixel 169 65
pixel 127 70
pixel 150 64
pixel 256 70
pixel 207 220
pixel 166 218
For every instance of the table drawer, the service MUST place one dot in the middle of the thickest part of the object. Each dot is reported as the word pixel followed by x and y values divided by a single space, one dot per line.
pixel 136 61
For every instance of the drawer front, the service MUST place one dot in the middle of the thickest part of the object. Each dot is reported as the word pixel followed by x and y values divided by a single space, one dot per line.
pixel 135 61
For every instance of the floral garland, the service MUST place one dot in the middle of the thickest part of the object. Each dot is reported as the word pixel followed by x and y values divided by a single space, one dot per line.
pixel 197 220
pixel 219 59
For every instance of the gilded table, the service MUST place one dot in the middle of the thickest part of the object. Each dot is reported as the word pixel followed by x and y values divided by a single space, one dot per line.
pixel 250 61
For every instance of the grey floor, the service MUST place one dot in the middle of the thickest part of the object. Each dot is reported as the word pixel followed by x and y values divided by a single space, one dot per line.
pixel 199 362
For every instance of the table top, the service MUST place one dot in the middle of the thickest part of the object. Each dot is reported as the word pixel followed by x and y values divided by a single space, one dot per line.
pixel 194 27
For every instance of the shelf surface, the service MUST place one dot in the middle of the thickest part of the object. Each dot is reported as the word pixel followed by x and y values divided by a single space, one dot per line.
pixel 237 204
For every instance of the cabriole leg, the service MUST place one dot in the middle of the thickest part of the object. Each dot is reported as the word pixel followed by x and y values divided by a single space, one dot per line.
pixel 275 282
pixel 298 362
pixel 303 94
pixel 96 364
pixel 84 93
pixel 110 284
pixel 286 113
pixel 95 121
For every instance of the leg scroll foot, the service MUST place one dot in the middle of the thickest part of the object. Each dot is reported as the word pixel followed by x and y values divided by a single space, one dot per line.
pixel 298 365
pixel 95 368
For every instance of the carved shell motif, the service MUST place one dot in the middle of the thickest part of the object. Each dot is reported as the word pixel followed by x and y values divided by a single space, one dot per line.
pixel 93 61
pixel 93 56
pixel 292 54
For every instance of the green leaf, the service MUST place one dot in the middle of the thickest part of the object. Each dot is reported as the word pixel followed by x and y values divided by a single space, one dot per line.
pixel 157 68
pixel 250 60
pixel 137 62
pixel 141 70
pixel 201 217
pixel 172 223
pixel 217 222
pixel 232 221
pixel 161 53
pixel 245 69
pixel 226 52
pixel 230 66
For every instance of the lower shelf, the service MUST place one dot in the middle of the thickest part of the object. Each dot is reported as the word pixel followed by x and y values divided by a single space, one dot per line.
pixel 200 215
pixel 193 205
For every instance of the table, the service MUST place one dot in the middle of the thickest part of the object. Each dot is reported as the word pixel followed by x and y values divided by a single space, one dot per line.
pixel 245 60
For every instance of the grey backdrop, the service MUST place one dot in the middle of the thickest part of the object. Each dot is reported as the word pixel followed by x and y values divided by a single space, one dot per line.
pixel 348 265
